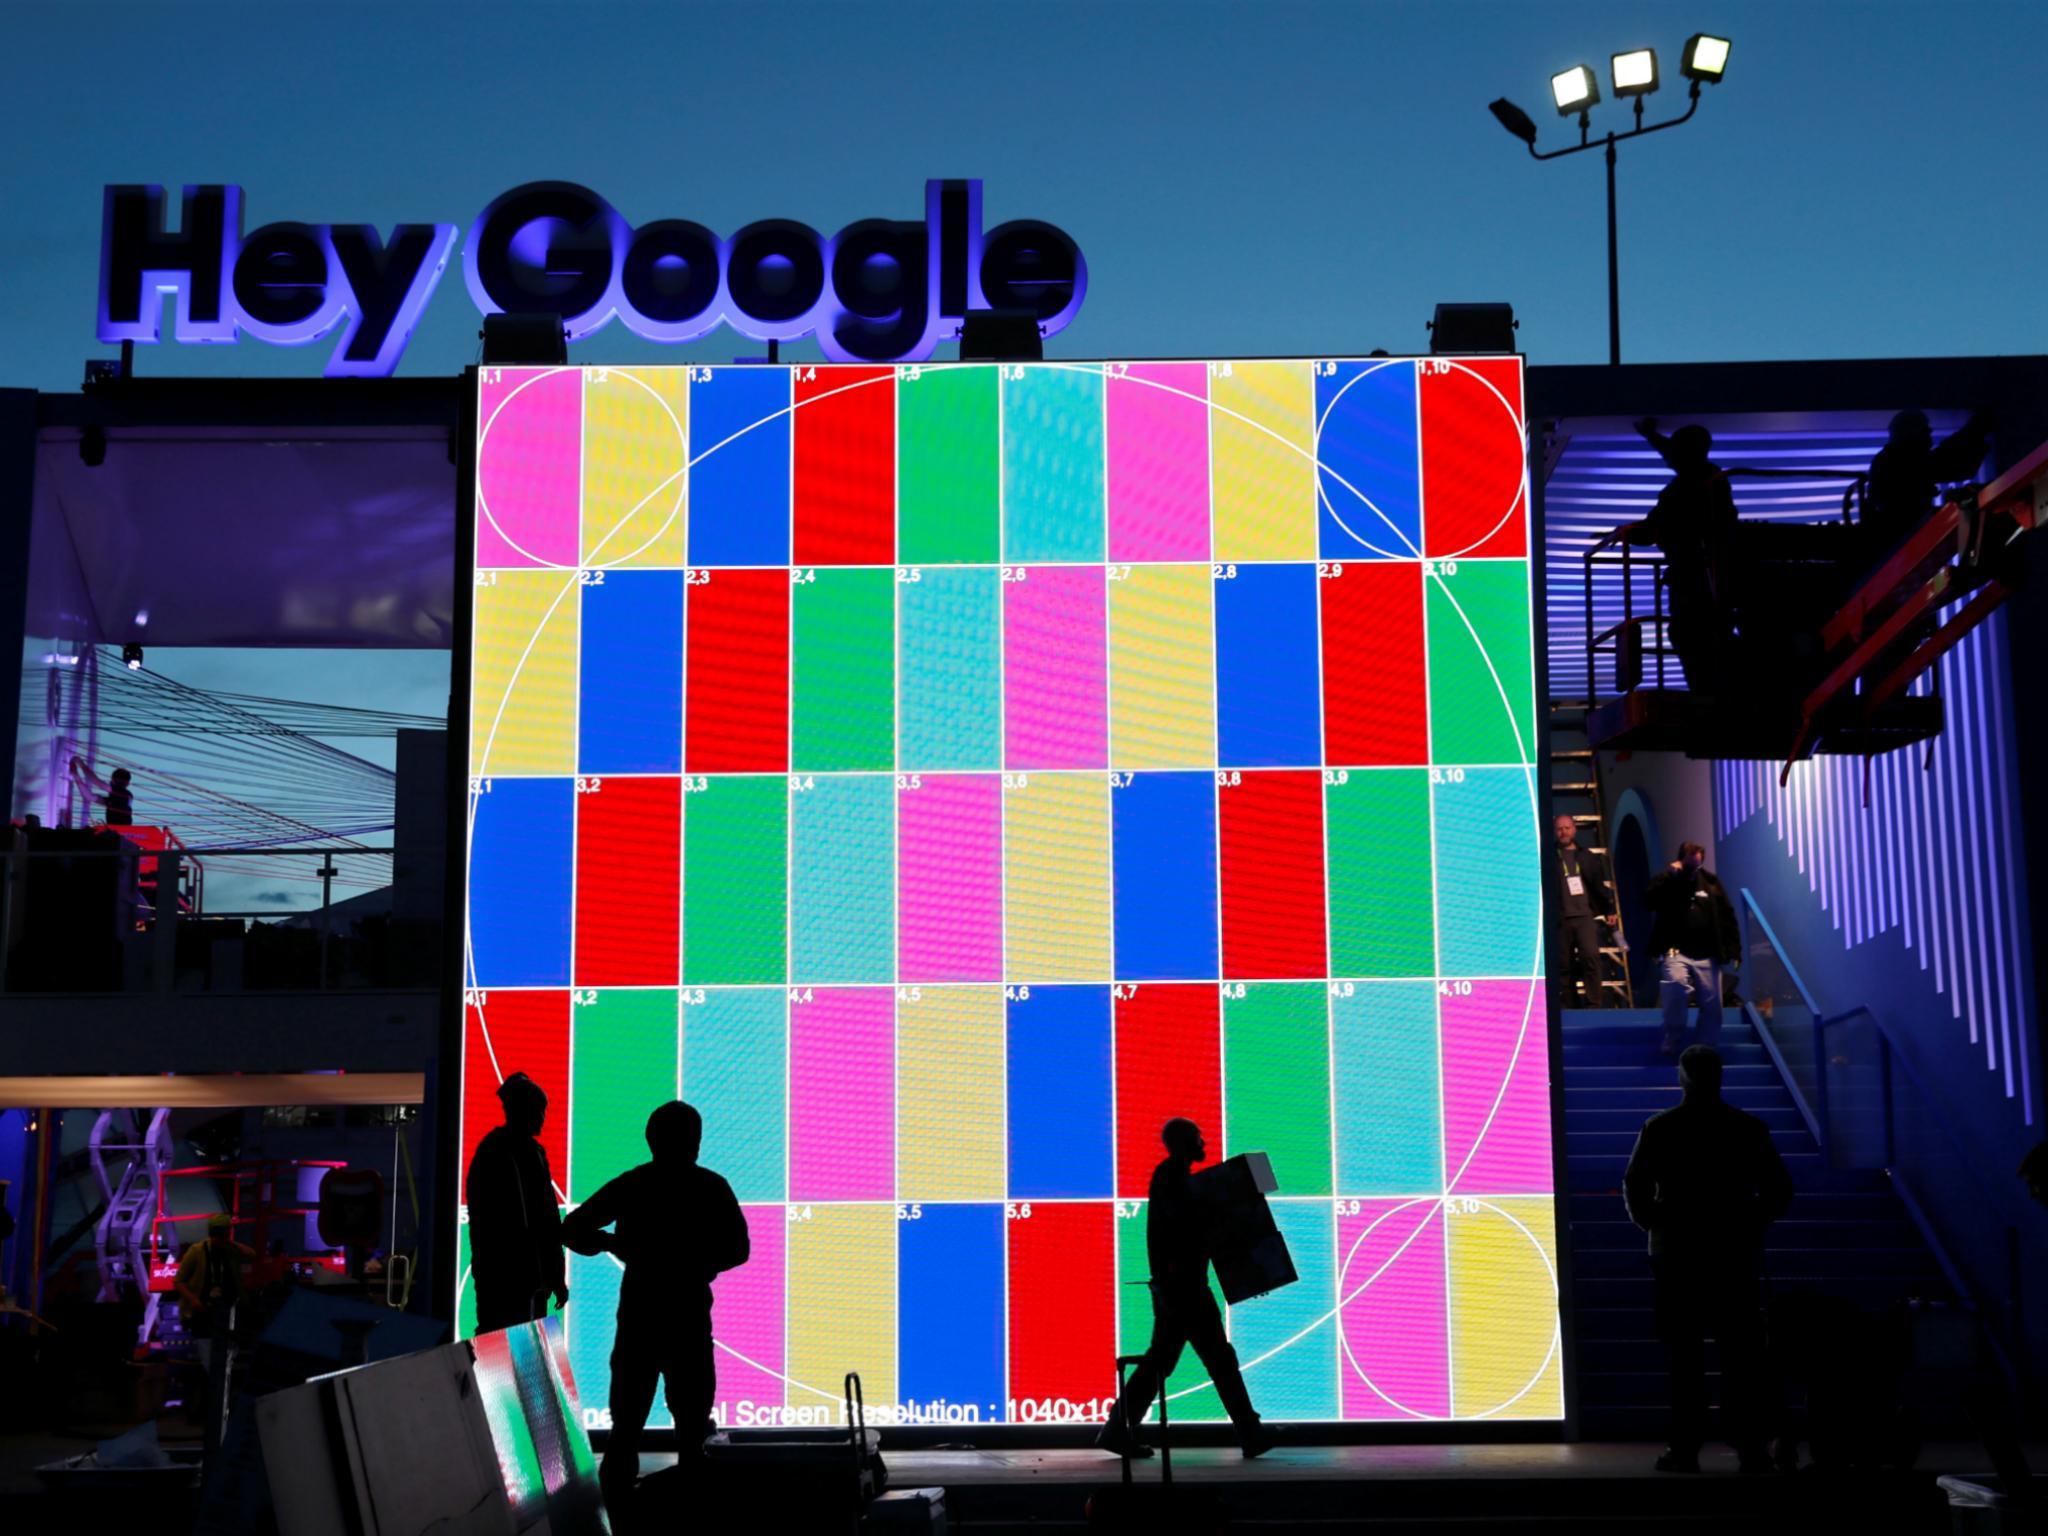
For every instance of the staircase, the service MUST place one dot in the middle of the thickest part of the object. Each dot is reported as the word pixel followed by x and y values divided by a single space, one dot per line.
pixel 1575 792
pixel 1847 1233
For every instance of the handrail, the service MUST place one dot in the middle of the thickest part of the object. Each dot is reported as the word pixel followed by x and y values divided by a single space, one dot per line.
pixel 1818 1121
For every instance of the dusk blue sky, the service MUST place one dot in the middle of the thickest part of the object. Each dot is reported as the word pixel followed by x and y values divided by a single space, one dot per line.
pixel 1244 178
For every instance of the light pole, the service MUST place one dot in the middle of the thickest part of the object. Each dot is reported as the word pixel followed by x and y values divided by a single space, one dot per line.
pixel 1577 90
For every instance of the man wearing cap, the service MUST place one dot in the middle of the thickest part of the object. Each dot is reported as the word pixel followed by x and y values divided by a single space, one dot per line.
pixel 212 1278
pixel 211 1275
pixel 515 1226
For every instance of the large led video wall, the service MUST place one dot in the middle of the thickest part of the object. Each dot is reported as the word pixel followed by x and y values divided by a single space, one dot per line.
pixel 941 775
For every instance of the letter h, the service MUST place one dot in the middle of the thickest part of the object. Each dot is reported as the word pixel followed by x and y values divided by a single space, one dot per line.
pixel 140 259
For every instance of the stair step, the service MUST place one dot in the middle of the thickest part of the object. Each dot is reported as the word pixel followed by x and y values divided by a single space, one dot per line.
pixel 1847 1232
pixel 1584 1055
pixel 1828 1263
pixel 1620 1142
pixel 1594 1119
pixel 1807 1205
pixel 1636 1291
pixel 1635 1325
pixel 1647 1383
pixel 1664 1074
pixel 1595 1171
pixel 1605 1358
pixel 1648 1099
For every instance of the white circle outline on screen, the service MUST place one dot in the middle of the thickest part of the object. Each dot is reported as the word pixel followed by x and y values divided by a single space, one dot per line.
pixel 1431 566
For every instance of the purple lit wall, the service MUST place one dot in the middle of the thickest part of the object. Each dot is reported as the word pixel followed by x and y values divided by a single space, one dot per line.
pixel 1606 476
pixel 1922 891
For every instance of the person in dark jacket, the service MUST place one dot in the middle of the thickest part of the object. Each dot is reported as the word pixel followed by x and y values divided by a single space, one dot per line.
pixel 1704 1181
pixel 515 1226
pixel 1585 913
pixel 1693 523
pixel 1910 468
pixel 1692 935
pixel 675 1226
pixel 1184 1309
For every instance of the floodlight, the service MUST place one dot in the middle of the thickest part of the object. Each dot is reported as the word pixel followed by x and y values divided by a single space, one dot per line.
pixel 525 339
pixel 1575 90
pixel 1635 72
pixel 1706 58
pixel 1001 336
pixel 1514 119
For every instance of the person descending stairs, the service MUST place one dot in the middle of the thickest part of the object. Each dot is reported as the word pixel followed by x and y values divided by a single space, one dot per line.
pixel 1847 1235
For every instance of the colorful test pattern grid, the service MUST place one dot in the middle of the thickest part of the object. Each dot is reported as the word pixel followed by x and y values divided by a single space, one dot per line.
pixel 943 775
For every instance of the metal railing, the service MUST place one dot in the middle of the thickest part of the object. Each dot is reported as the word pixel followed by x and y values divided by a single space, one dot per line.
pixel 85 920
pixel 1868 1107
pixel 1638 638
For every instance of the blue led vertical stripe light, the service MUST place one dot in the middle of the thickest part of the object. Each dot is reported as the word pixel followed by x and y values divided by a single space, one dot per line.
pixel 1934 857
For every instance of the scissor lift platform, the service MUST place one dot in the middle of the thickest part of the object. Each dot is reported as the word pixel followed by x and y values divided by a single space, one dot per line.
pixel 1843 685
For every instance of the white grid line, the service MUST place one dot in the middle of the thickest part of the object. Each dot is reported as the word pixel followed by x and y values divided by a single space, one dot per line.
pixel 1215 723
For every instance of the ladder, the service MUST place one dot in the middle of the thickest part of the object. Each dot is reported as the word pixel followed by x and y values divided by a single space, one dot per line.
pixel 128 1163
pixel 1575 792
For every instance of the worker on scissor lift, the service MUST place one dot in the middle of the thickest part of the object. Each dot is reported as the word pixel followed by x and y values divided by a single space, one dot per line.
pixel 1693 523
pixel 1910 469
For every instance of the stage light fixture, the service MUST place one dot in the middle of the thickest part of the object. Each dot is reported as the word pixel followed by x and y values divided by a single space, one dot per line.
pixel 1575 90
pixel 131 656
pixel 1001 336
pixel 526 340
pixel 1514 119
pixel 1634 73
pixel 1472 328
pixel 1706 58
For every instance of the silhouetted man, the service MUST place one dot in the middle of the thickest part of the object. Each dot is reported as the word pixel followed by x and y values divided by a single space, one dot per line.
pixel 1693 523
pixel 515 1227
pixel 1910 469
pixel 212 1280
pixel 114 793
pixel 2034 1170
pixel 676 1226
pixel 1184 1310
pixel 1585 912
pixel 1704 1182
pixel 1692 934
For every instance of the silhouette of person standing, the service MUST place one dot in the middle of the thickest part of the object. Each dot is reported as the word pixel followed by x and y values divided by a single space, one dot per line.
pixel 1692 934
pixel 1910 468
pixel 1704 1181
pixel 1693 523
pixel 515 1227
pixel 676 1225
pixel 1184 1310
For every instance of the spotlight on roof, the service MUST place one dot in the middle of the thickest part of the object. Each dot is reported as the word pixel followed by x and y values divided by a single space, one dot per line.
pixel 131 656
pixel 1575 90
pixel 1001 336
pixel 1634 72
pixel 1706 58
pixel 530 340
pixel 1472 329
pixel 1514 119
